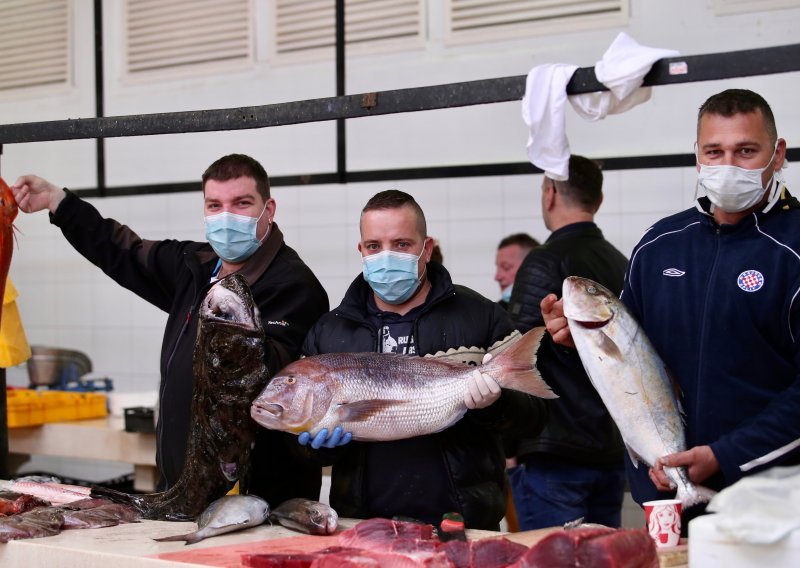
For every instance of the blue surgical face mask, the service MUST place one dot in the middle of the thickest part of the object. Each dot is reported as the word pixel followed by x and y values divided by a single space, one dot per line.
pixel 232 236
pixel 505 293
pixel 392 275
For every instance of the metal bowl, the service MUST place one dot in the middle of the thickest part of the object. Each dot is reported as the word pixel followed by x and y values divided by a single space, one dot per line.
pixel 49 366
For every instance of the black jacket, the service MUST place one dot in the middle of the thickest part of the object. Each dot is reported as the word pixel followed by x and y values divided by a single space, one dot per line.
pixel 174 276
pixel 471 450
pixel 579 428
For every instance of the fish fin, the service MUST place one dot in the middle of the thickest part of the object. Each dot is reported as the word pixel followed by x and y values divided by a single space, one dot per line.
pixel 609 347
pixel 175 538
pixel 635 459
pixel 515 367
pixel 362 410
pixel 194 538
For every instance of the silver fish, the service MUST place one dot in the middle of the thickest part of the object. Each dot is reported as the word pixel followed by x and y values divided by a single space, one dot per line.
pixel 630 377
pixel 384 396
pixel 226 514
pixel 305 515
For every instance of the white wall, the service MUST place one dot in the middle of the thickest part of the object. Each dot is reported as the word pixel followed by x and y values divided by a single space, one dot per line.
pixel 67 302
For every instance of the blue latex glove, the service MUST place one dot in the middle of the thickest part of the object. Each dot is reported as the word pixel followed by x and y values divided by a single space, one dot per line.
pixel 337 438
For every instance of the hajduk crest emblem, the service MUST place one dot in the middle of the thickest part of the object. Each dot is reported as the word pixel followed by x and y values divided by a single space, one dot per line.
pixel 750 280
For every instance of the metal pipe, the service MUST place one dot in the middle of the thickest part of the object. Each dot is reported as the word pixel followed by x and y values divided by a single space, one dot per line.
pixel 667 71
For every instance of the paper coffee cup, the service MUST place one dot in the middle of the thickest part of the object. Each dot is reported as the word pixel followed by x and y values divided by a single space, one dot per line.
pixel 663 519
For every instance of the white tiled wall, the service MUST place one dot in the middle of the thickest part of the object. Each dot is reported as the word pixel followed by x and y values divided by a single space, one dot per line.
pixel 67 302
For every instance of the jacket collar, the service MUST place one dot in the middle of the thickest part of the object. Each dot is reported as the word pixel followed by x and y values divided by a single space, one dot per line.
pixel 784 202
pixel 572 228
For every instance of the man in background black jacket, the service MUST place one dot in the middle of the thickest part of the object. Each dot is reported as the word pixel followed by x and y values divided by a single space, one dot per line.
pixel 402 303
pixel 574 468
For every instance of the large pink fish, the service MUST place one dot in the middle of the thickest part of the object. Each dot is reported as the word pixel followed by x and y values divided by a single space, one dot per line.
pixel 383 396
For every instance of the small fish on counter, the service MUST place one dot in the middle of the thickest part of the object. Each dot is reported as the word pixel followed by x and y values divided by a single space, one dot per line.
pixel 630 378
pixel 53 493
pixel 386 396
pixel 227 514
pixel 229 372
pixel 307 516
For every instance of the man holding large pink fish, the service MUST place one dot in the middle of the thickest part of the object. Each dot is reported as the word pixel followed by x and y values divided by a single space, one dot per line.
pixel 405 305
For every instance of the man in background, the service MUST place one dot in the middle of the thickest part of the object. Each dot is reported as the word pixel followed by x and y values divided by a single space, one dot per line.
pixel 574 468
pixel 511 251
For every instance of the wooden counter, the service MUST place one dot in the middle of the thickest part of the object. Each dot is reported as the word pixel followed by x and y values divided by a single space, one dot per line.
pixel 99 439
pixel 132 545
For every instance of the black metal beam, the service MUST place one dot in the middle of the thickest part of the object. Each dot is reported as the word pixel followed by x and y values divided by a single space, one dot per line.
pixel 341 123
pixel 99 93
pixel 667 71
pixel 435 172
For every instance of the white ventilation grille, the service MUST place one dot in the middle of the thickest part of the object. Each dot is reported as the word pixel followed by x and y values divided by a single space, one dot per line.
pixel 724 7
pixel 174 34
pixel 499 16
pixel 307 25
pixel 34 43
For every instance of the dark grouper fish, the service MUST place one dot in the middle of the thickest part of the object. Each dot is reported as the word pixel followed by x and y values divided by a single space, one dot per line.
pixel 384 396
pixel 229 371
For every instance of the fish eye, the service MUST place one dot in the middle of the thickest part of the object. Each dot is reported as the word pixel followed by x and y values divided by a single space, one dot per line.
pixel 315 515
pixel 290 380
pixel 591 290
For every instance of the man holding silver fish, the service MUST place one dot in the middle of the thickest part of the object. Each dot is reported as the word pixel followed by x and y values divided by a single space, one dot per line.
pixel 717 290
pixel 175 275
pixel 402 303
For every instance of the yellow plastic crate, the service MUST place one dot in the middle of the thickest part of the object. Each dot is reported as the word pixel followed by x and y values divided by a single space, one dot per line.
pixel 60 406
pixel 24 408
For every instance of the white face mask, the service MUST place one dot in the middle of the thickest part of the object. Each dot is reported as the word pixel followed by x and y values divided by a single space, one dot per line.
pixel 731 188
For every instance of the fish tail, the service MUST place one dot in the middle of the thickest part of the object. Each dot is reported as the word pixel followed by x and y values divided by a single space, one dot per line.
pixel 689 493
pixel 175 538
pixel 100 492
pixel 694 495
pixel 516 366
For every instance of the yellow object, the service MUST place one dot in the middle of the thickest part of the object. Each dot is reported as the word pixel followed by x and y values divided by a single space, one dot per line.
pixel 14 348
pixel 30 408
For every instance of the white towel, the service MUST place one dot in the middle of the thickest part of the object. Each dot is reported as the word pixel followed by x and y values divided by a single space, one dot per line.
pixel 622 69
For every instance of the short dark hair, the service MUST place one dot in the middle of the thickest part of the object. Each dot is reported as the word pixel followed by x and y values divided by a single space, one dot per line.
pixel 235 166
pixel 584 188
pixel 739 101
pixel 395 199
pixel 524 240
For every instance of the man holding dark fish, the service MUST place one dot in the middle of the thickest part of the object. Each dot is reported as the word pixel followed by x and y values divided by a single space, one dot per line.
pixel 176 275
pixel 403 304
pixel 716 288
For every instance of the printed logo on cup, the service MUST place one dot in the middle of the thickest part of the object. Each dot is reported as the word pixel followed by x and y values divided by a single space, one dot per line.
pixel 664 521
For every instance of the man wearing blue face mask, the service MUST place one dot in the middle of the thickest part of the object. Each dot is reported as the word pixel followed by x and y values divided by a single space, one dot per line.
pixel 401 303
pixel 717 290
pixel 175 276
